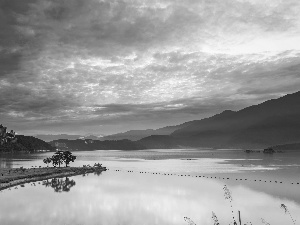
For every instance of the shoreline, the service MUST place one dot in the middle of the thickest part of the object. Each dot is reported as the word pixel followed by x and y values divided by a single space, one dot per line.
pixel 17 176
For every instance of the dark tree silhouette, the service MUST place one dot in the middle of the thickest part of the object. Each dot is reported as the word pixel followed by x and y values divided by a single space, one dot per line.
pixel 47 161
pixel 57 158
pixel 68 157
pixel 60 157
pixel 7 137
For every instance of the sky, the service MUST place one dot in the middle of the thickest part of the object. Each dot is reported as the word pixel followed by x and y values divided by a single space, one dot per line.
pixel 108 66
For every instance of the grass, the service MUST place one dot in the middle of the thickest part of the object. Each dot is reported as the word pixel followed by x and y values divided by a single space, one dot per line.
pixel 228 196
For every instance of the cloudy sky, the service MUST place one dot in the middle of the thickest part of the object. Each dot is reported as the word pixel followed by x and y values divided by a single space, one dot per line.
pixel 106 66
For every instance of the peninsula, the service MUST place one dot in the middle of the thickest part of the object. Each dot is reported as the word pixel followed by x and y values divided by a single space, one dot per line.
pixel 17 176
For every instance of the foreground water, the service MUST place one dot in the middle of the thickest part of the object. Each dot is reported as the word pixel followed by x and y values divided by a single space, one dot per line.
pixel 164 187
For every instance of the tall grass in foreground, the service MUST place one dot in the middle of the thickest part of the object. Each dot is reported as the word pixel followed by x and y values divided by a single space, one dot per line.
pixel 228 196
pixel 286 211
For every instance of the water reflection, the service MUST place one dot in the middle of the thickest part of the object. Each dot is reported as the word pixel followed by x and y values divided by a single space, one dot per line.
pixel 121 198
pixel 5 162
pixel 60 184
pixel 126 198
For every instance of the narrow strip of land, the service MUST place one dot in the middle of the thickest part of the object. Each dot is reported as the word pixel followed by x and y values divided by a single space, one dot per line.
pixel 17 176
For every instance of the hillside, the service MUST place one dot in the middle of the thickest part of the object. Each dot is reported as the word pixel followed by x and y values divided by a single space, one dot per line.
pixel 293 146
pixel 270 123
pixel 135 135
pixel 159 142
pixel 25 143
pixel 52 137
pixel 85 145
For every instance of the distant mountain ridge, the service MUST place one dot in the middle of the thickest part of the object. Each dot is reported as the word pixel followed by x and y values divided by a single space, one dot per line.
pixel 135 135
pixel 274 122
pixel 271 123
pixel 292 146
pixel 25 144
pixel 52 137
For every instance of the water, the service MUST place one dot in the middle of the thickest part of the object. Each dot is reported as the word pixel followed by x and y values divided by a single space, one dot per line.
pixel 141 197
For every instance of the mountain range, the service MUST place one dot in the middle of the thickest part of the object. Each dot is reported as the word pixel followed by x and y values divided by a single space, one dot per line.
pixel 271 123
pixel 274 122
pixel 52 137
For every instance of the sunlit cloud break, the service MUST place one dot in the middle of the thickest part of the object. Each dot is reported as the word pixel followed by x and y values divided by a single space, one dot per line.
pixel 110 66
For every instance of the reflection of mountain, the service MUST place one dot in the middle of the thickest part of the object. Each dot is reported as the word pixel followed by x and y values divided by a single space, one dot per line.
pixel 60 184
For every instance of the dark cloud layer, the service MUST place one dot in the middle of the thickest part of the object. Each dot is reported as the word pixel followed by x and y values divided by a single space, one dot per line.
pixel 106 66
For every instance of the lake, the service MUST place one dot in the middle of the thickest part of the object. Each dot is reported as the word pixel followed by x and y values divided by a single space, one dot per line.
pixel 160 187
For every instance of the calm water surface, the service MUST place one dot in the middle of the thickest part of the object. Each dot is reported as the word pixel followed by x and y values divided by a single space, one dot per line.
pixel 141 197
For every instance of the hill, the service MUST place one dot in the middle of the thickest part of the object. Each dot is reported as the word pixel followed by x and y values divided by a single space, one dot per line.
pixel 293 146
pixel 86 145
pixel 135 135
pixel 159 142
pixel 270 123
pixel 25 144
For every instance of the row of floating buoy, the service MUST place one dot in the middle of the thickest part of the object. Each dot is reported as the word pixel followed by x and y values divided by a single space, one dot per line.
pixel 211 177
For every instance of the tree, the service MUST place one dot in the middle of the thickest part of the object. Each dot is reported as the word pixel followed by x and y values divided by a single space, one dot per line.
pixel 47 161
pixel 60 157
pixel 6 137
pixel 57 158
pixel 68 157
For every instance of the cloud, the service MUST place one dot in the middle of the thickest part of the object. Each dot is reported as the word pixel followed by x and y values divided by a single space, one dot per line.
pixel 74 62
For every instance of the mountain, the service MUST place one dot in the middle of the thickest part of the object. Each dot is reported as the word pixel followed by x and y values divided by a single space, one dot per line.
pixel 159 142
pixel 52 137
pixel 135 135
pixel 293 146
pixel 88 144
pixel 270 123
pixel 25 143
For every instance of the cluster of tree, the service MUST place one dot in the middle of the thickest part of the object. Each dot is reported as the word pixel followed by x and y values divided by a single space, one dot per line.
pixel 10 142
pixel 7 137
pixel 59 158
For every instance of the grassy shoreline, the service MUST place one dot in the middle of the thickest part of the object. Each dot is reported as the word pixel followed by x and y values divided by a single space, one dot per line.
pixel 17 176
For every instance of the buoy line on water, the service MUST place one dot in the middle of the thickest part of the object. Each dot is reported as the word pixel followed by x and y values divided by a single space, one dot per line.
pixel 211 177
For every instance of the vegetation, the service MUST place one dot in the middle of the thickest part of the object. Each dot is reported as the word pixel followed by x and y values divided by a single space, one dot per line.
pixel 88 145
pixel 228 196
pixel 6 137
pixel 10 142
pixel 59 158
pixel 47 161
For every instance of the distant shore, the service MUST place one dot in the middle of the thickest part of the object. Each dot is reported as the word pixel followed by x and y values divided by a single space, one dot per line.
pixel 13 177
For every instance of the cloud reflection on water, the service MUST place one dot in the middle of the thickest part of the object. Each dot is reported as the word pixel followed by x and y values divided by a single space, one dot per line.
pixel 126 198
